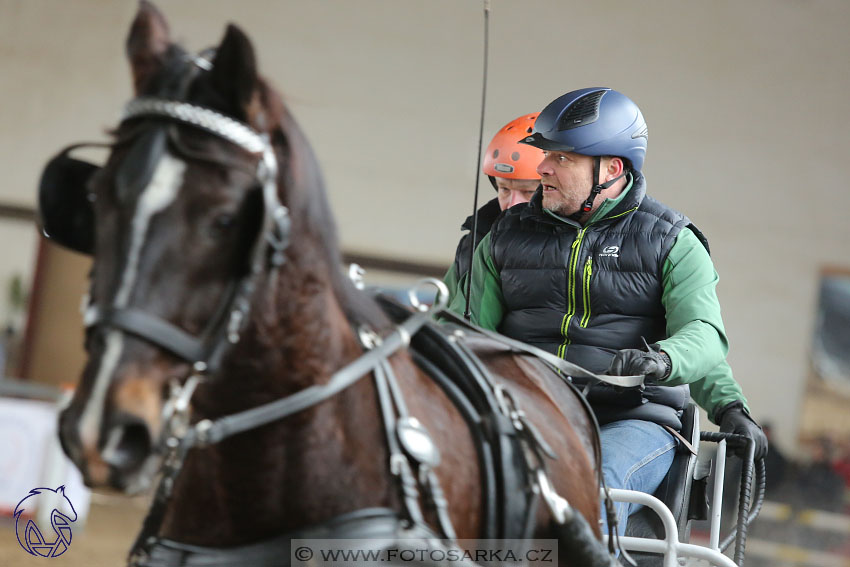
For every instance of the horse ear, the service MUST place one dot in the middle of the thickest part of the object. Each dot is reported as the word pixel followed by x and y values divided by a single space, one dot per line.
pixel 234 72
pixel 147 44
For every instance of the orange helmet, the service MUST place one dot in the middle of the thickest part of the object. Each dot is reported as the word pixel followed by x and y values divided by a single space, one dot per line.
pixel 507 157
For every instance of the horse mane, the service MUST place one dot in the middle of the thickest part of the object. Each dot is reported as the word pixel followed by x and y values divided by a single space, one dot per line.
pixel 303 189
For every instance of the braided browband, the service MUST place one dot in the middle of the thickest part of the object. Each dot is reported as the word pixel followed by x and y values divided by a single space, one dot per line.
pixel 200 117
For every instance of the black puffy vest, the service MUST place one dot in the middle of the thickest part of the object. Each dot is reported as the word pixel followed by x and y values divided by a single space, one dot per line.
pixel 586 292
pixel 487 213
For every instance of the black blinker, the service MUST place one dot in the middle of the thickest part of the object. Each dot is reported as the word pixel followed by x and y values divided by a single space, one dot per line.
pixel 65 209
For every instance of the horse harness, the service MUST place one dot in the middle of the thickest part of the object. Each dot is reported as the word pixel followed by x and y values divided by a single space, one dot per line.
pixel 511 452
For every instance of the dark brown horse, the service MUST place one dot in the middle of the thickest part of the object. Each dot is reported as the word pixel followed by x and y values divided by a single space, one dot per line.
pixel 190 217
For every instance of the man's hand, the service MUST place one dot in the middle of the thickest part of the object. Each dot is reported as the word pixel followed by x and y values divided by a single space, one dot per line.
pixel 631 361
pixel 733 418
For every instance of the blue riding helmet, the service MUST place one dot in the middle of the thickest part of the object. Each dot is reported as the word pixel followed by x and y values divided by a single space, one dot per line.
pixel 595 122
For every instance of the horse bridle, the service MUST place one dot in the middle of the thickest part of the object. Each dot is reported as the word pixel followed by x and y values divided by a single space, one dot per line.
pixel 205 351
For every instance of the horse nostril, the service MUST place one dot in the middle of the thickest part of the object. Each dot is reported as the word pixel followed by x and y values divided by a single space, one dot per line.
pixel 127 445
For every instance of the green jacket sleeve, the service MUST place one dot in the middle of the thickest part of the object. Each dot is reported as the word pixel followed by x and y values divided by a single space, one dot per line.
pixel 696 340
pixel 486 303
pixel 452 283
pixel 717 389
pixel 696 343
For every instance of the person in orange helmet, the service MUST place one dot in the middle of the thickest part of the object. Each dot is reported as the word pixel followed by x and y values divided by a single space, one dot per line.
pixel 512 169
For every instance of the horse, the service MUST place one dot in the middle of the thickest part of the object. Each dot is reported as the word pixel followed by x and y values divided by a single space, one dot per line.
pixel 217 293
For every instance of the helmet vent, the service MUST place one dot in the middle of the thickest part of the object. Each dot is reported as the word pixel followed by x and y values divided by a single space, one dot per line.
pixel 583 111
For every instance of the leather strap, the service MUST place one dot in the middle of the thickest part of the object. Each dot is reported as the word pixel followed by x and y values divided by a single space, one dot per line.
pixel 211 432
pixel 681 438
pixel 376 524
pixel 564 366
pixel 149 327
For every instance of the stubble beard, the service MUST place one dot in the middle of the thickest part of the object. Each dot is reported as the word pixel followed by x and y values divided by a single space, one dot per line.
pixel 557 205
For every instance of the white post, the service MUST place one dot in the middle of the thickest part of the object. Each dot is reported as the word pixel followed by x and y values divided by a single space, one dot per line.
pixel 717 496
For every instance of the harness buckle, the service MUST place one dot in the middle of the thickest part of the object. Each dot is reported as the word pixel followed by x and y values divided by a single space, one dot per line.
pixel 202 432
pixel 561 510
pixel 368 338
pixel 506 402
pixel 355 274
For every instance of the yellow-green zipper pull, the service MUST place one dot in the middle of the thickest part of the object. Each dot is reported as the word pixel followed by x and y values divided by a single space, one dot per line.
pixel 588 272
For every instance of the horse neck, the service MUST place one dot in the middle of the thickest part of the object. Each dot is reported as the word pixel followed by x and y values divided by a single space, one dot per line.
pixel 308 467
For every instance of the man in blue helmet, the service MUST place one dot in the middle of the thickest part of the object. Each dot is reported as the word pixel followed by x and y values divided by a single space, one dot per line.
pixel 598 272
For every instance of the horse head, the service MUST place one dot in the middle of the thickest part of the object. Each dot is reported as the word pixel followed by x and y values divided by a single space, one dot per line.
pixel 190 226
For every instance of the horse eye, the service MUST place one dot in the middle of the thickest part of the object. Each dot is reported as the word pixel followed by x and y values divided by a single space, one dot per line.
pixel 222 224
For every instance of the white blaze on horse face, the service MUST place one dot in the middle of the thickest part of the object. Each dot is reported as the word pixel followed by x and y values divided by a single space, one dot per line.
pixel 159 194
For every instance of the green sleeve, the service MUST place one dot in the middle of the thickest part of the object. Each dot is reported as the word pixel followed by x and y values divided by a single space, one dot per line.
pixel 451 281
pixel 696 342
pixel 717 389
pixel 486 304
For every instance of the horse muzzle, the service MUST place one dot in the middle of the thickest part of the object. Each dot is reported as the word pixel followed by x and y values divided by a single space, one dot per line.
pixel 111 428
pixel 121 456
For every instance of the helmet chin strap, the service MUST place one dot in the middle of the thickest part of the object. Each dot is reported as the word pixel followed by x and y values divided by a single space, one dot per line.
pixel 587 206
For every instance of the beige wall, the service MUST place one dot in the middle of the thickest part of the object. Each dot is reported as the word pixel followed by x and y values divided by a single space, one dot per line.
pixel 745 101
pixel 53 352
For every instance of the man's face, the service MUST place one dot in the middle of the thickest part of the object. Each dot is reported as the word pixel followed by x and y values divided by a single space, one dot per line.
pixel 566 179
pixel 515 191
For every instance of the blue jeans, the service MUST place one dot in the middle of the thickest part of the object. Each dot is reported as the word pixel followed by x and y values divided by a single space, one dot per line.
pixel 636 455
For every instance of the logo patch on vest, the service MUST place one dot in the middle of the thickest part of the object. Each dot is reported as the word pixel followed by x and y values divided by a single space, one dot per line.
pixel 610 252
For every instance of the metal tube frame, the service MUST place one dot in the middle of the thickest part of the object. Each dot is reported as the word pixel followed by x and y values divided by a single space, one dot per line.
pixel 670 546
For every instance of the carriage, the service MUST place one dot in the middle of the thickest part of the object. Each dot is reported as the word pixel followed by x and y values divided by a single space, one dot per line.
pixel 257 385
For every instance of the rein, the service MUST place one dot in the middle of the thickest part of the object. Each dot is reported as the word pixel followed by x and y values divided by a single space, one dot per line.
pixel 179 437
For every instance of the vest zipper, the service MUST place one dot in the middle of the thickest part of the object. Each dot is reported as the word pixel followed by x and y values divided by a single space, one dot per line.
pixel 588 272
pixel 575 248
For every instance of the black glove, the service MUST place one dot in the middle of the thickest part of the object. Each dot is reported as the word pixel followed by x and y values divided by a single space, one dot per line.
pixel 733 418
pixel 631 361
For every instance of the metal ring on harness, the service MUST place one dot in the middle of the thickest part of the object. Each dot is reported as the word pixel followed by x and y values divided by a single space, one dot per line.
pixel 441 299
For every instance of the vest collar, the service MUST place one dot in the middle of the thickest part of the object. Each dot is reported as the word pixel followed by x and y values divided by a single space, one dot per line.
pixel 631 198
pixel 487 214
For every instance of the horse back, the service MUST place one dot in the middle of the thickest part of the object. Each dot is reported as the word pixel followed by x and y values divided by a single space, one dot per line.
pixel 556 409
